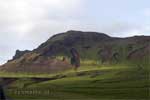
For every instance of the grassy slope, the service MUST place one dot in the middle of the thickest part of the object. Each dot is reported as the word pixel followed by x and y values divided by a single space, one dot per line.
pixel 99 82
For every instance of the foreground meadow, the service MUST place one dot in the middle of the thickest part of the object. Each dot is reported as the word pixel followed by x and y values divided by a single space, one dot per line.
pixel 90 81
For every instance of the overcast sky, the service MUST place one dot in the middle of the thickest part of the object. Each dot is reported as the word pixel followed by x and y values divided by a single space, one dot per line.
pixel 24 24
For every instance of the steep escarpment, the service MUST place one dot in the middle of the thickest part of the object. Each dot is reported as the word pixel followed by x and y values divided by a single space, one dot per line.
pixel 18 54
pixel 90 45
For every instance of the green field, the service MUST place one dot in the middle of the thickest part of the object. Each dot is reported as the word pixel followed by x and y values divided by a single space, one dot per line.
pixel 87 83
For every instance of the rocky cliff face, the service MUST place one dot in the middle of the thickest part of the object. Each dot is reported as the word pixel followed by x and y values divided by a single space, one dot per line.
pixel 91 45
pixel 62 43
pixel 18 54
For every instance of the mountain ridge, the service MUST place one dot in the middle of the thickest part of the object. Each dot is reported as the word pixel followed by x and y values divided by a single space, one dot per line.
pixel 90 45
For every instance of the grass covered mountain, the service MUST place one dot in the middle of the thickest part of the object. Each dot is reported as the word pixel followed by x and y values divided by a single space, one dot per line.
pixel 111 68
pixel 92 46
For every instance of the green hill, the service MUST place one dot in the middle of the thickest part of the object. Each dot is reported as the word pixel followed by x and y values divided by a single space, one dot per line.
pixel 92 46
pixel 111 68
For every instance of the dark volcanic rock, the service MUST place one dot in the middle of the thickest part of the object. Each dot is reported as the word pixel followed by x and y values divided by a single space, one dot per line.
pixel 19 54
pixel 90 45
pixel 63 42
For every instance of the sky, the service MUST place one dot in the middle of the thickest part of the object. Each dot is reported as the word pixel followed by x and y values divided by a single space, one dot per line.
pixel 25 24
